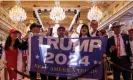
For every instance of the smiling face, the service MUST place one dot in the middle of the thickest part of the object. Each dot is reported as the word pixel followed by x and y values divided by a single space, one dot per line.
pixel 84 30
pixel 35 30
pixel 116 30
pixel 130 34
pixel 61 32
pixel 94 24
pixel 14 35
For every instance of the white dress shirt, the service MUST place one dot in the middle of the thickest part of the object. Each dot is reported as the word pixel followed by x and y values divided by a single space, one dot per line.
pixel 122 46
pixel 93 34
pixel 84 36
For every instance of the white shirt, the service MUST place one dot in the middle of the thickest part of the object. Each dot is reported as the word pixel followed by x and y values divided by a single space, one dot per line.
pixel 93 34
pixel 84 36
pixel 122 46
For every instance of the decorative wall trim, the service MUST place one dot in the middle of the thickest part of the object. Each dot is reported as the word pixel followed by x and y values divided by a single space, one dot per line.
pixel 117 15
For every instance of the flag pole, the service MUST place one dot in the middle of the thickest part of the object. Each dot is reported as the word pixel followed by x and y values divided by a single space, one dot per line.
pixel 105 66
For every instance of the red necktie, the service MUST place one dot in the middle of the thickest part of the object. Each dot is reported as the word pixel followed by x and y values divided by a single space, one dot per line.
pixel 24 55
pixel 118 46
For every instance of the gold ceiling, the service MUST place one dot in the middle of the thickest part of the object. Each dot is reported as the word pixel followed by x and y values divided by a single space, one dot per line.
pixel 84 7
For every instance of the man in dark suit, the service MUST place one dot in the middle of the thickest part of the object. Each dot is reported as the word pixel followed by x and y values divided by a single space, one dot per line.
pixel 130 33
pixel 118 48
pixel 61 34
pixel 94 26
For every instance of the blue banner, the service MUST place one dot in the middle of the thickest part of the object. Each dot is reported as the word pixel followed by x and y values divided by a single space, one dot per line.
pixel 67 57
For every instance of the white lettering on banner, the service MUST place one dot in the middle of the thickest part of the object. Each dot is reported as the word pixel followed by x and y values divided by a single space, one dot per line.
pixel 75 44
pixel 85 61
pixel 72 60
pixel 48 58
pixel 57 59
pixel 84 45
pixel 54 42
pixel 94 44
pixel 62 45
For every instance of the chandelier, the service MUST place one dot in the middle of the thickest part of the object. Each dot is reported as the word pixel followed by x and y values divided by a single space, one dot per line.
pixel 17 13
pixel 94 13
pixel 57 13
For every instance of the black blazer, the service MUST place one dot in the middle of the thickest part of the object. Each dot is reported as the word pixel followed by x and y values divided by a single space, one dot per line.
pixel 23 45
pixel 97 33
pixel 113 54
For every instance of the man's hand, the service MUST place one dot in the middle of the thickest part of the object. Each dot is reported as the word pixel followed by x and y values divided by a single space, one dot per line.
pixel 5 63
pixel 113 48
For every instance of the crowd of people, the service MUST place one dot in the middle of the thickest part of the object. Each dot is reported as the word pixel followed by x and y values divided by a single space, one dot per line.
pixel 119 48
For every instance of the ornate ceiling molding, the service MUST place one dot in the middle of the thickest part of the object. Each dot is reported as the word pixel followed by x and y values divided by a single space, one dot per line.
pixel 4 17
pixel 115 16
pixel 65 8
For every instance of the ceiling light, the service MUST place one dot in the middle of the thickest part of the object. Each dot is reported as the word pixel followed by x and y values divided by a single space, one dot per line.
pixel 94 13
pixel 17 13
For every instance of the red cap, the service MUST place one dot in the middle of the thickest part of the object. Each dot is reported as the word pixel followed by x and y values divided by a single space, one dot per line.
pixel 130 30
pixel 13 31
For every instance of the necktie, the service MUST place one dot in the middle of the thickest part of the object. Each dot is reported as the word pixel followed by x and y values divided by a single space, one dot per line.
pixel 118 46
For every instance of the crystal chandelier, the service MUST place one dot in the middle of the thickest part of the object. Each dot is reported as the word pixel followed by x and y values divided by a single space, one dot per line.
pixel 57 13
pixel 17 13
pixel 94 13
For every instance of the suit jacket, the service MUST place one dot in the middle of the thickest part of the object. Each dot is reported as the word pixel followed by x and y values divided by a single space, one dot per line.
pixel 23 45
pixel 97 33
pixel 113 54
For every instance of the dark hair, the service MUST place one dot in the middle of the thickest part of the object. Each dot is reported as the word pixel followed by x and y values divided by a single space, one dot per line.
pixel 8 43
pixel 103 32
pixel 33 25
pixel 88 33
pixel 93 20
pixel 61 27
